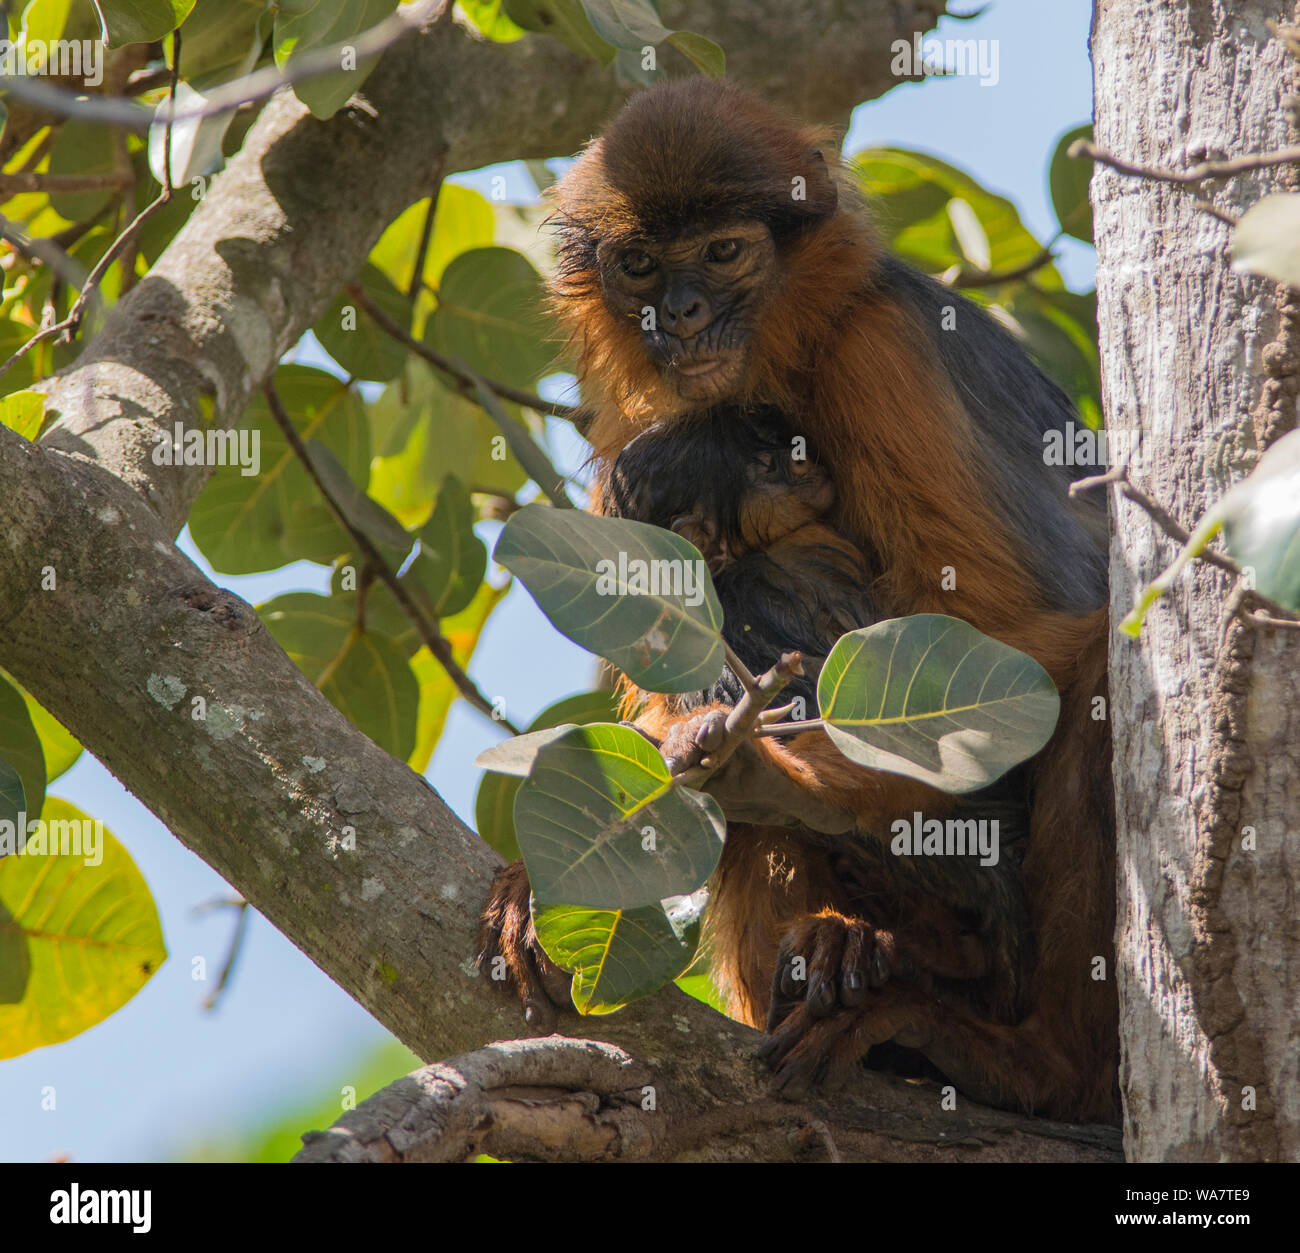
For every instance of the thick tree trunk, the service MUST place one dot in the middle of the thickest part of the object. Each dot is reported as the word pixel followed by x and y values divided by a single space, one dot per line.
pixel 1206 709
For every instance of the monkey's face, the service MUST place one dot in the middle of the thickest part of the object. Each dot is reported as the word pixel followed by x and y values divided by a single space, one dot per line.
pixel 696 300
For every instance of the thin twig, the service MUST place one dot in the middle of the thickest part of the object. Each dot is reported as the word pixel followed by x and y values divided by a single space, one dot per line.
pixel 25 182
pixel 720 741
pixel 1269 612
pixel 66 330
pixel 122 111
pixel 466 379
pixel 432 639
pixel 739 669
pixel 232 954
pixel 1193 174
pixel 1162 517
pixel 426 233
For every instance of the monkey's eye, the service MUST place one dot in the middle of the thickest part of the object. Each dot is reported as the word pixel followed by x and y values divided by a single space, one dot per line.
pixel 722 250
pixel 638 263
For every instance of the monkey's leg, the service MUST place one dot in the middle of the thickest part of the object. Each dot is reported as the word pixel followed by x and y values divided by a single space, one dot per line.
pixel 510 955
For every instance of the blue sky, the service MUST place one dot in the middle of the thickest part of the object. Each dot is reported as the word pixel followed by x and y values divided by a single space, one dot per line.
pixel 162 1074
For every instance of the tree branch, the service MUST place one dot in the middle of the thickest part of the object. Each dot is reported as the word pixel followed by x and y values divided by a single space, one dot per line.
pixel 559 1099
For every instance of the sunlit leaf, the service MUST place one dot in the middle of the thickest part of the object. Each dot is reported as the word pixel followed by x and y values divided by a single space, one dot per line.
pixel 616 956
pixel 364 674
pixel 601 824
pixel 509 762
pixel 437 691
pixel 23 412
pixel 87 936
pixel 566 20
pixel 930 697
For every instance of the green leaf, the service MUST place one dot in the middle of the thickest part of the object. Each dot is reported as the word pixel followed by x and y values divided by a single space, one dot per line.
pixel 143 21
pixel 704 54
pixel 1261 522
pixel 437 691
pixel 317 533
pixel 320 25
pixel 23 412
pixel 1058 328
pixel 1068 178
pixel 910 193
pixel 932 698
pixel 243 523
pixel 88 936
pixel 222 41
pixel 82 148
pixel 60 748
pixel 616 956
pixel 490 20
pixel 355 340
pixel 13 335
pixel 13 808
pixel 490 315
pixel 622 590
pixel 424 432
pixel 463 221
pixel 626 23
pixel 507 763
pixel 566 20
pixel 20 746
pixel 452 559
pixel 364 674
pixel 601 823
pixel 1267 239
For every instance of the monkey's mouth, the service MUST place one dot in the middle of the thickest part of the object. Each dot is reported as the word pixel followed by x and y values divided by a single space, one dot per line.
pixel 706 377
pixel 701 369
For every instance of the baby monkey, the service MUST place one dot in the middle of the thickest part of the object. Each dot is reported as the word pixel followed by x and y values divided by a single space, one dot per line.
pixel 739 484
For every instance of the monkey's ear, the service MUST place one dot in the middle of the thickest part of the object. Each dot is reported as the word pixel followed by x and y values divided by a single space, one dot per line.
pixel 823 194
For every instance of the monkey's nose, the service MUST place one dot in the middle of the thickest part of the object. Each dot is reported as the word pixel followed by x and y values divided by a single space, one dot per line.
pixel 685 311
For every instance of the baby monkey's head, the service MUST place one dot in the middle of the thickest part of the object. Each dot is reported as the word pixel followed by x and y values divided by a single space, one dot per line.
pixel 734 480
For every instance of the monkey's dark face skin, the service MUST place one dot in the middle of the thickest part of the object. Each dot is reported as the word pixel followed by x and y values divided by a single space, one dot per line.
pixel 697 301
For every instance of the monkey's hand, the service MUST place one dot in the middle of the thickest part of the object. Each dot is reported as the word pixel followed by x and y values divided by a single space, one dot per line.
pixel 510 955
pixel 751 785
pixel 840 987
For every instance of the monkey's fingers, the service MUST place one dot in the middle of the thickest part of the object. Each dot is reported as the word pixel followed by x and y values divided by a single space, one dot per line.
pixel 805 1053
pixel 689 741
pixel 510 955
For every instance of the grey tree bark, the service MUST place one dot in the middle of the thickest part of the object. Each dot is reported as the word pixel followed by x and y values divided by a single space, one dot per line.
pixel 1206 709
pixel 131 631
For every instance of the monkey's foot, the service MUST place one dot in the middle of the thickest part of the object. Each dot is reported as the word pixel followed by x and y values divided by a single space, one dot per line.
pixel 840 987
pixel 510 955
